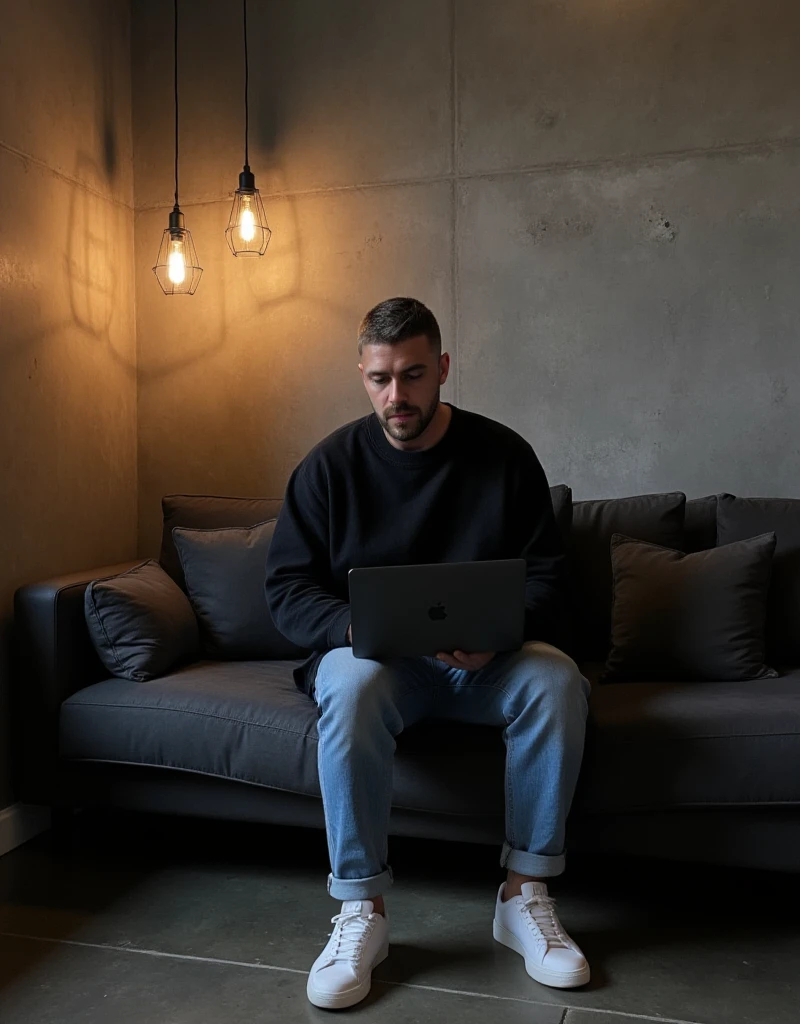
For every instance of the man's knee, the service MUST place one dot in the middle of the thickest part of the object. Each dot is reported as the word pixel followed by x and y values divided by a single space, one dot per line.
pixel 552 674
pixel 356 689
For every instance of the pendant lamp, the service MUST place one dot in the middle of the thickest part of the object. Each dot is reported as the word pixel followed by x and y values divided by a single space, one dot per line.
pixel 248 233
pixel 177 269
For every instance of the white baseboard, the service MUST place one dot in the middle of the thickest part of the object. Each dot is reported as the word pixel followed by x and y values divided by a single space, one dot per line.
pixel 21 822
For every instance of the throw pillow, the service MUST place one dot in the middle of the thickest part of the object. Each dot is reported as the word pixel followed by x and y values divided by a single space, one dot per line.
pixel 140 622
pixel 738 518
pixel 653 517
pixel 225 572
pixel 689 617
pixel 207 512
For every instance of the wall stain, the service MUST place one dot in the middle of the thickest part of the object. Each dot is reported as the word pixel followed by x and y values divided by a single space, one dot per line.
pixel 563 227
pixel 780 392
pixel 546 118
pixel 659 228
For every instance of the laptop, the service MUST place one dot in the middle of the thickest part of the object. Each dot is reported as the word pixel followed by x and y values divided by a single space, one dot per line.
pixel 417 610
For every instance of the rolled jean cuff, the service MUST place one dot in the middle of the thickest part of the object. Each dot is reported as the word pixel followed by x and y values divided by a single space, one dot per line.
pixel 360 888
pixel 538 864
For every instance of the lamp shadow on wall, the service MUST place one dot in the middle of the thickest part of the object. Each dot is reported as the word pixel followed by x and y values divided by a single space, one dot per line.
pixel 99 231
pixel 92 257
pixel 96 242
pixel 87 257
pixel 86 265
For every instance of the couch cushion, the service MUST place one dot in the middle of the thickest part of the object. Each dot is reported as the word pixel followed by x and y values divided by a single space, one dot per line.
pixel 697 616
pixel 241 719
pixel 685 744
pixel 738 518
pixel 141 624
pixel 246 720
pixel 561 496
pixel 650 745
pixel 700 524
pixel 657 518
pixel 209 512
pixel 225 571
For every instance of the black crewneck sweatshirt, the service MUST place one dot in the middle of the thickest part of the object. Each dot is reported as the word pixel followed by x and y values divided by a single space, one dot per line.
pixel 356 500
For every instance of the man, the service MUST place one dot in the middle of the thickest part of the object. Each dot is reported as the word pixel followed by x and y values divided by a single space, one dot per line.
pixel 422 481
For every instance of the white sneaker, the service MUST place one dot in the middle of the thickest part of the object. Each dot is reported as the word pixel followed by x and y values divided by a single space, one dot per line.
pixel 528 924
pixel 342 973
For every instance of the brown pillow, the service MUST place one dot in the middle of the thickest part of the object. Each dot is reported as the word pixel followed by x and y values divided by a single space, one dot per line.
pixel 689 617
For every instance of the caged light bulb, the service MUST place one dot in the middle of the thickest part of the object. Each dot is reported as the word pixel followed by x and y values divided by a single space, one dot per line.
pixel 176 262
pixel 247 232
pixel 177 270
pixel 247 221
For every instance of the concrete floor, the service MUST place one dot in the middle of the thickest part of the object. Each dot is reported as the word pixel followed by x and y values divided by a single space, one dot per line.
pixel 143 919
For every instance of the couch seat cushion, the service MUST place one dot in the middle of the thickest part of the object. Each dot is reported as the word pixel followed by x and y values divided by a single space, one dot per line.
pixel 246 720
pixel 649 745
pixel 690 744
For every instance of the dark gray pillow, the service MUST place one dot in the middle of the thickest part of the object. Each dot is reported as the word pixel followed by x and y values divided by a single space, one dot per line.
pixel 689 617
pixel 225 573
pixel 657 518
pixel 207 512
pixel 738 518
pixel 140 622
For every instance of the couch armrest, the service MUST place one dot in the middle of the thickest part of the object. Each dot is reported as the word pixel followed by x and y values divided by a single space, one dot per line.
pixel 53 657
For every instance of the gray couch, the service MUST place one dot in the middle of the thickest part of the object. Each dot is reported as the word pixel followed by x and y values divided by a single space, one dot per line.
pixel 693 770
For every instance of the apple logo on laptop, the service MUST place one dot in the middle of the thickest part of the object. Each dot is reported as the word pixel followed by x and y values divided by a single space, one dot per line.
pixel 437 612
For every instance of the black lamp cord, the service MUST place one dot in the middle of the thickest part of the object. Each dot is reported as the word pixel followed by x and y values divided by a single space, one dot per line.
pixel 176 103
pixel 246 89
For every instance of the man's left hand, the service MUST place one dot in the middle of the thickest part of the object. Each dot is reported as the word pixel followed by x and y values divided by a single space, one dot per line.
pixel 462 660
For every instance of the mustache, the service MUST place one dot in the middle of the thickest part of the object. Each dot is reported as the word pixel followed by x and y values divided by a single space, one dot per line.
pixel 398 409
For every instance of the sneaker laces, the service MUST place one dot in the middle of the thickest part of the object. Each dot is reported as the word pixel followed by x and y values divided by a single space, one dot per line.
pixel 540 914
pixel 349 935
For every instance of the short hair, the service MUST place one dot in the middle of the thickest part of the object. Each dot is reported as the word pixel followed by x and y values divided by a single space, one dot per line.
pixel 396 320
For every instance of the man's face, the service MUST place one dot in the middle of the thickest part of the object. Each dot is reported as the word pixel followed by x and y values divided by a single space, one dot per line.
pixel 403 383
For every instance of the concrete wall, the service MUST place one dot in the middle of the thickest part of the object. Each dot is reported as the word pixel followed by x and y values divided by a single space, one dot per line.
pixel 601 202
pixel 67 345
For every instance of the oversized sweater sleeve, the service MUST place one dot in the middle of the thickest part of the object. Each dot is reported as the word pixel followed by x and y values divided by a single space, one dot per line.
pixel 543 550
pixel 298 570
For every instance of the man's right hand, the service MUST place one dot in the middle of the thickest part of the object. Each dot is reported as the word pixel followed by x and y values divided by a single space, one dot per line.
pixel 350 635
pixel 469 662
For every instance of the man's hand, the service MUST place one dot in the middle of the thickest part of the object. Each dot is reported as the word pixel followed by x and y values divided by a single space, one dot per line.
pixel 470 662
pixel 350 635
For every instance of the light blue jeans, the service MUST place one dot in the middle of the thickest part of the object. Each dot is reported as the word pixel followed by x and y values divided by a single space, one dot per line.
pixel 538 696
